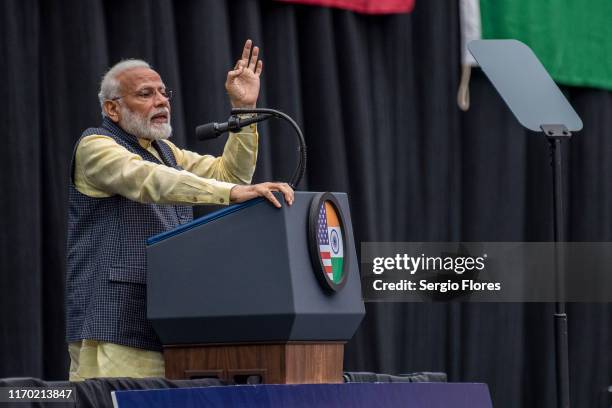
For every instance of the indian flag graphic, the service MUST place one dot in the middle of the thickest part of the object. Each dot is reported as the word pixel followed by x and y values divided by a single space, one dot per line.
pixel 330 238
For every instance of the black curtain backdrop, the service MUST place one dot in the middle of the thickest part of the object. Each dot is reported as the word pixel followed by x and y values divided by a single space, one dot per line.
pixel 375 96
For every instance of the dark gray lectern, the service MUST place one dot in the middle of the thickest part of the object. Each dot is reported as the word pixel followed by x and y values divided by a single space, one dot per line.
pixel 234 295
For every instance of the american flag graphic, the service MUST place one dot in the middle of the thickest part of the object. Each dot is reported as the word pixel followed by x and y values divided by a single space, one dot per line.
pixel 323 237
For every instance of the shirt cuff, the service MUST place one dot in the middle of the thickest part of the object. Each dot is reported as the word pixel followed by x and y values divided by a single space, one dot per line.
pixel 222 192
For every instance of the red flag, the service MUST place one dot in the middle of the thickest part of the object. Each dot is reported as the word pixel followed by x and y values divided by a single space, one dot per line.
pixel 363 6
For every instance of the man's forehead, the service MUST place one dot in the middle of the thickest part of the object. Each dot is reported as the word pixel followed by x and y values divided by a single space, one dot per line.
pixel 137 77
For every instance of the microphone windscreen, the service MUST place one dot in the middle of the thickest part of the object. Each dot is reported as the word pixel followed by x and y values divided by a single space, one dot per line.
pixel 207 131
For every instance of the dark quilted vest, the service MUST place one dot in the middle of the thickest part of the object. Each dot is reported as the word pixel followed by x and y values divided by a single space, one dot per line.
pixel 106 266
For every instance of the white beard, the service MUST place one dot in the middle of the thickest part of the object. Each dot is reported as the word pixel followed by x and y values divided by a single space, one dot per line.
pixel 142 127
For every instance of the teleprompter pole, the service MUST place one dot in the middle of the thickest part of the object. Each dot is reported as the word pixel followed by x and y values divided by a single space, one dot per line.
pixel 555 134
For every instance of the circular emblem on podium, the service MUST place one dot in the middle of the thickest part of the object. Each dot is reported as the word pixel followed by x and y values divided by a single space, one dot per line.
pixel 327 239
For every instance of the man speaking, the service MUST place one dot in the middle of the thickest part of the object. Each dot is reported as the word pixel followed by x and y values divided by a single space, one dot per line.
pixel 128 182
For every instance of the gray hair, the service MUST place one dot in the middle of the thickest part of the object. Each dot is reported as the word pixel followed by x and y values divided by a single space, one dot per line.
pixel 109 87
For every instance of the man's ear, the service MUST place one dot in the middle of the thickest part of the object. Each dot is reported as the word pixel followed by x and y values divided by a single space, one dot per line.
pixel 112 110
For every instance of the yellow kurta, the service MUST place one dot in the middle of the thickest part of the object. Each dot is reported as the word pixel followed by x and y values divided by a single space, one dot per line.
pixel 91 359
pixel 103 168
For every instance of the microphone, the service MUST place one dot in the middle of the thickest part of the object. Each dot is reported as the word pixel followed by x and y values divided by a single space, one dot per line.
pixel 233 124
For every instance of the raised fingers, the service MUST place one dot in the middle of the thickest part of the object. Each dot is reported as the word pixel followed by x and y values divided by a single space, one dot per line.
pixel 246 51
pixel 253 61
pixel 259 67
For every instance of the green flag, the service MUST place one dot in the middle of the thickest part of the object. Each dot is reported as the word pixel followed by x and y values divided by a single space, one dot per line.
pixel 573 39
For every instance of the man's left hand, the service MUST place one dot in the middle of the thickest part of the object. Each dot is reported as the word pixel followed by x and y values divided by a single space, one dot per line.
pixel 242 84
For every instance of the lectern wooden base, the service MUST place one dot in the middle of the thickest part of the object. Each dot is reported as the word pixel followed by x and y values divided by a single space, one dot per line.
pixel 278 363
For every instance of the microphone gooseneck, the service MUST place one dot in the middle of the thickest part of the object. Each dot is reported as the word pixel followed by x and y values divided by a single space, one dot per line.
pixel 234 124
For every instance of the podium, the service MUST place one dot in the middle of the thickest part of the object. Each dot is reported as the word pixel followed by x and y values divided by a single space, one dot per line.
pixel 240 294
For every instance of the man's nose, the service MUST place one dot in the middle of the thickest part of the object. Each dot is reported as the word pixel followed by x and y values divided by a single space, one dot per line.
pixel 161 100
